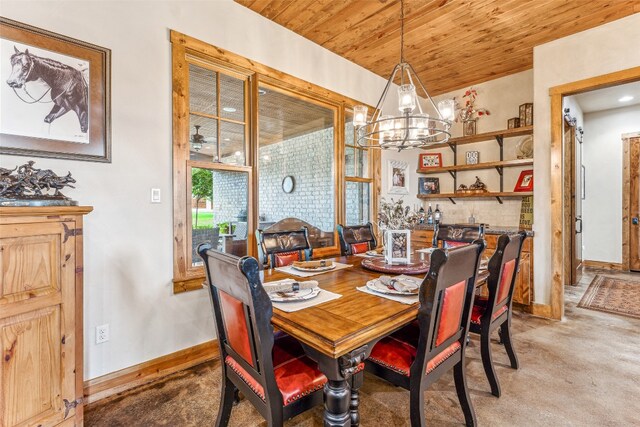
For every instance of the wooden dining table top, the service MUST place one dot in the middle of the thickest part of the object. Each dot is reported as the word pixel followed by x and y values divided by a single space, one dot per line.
pixel 356 318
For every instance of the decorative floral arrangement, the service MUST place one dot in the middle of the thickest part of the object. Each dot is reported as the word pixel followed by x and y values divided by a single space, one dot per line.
pixel 395 216
pixel 469 111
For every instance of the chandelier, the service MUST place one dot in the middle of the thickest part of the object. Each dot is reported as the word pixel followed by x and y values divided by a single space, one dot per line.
pixel 413 127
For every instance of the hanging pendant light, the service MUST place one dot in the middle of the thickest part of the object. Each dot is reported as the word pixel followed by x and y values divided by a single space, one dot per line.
pixel 409 128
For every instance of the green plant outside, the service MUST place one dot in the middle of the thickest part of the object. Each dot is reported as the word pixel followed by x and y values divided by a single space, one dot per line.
pixel 204 219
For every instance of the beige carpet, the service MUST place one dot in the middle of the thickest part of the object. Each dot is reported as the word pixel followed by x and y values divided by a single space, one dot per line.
pixel 613 295
pixel 582 371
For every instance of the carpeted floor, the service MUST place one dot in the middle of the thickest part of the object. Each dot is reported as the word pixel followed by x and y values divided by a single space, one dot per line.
pixel 583 371
pixel 613 295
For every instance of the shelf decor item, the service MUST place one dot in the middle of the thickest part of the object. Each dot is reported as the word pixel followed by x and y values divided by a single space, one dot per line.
pixel 526 114
pixel 526 213
pixel 525 181
pixel 524 148
pixel 428 185
pixel 472 157
pixel 55 95
pixel 29 186
pixel 430 160
pixel 513 123
pixel 469 113
pixel 407 124
pixel 478 186
pixel 397 246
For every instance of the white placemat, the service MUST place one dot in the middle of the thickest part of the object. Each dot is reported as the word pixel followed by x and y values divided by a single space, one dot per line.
pixel 290 270
pixel 323 296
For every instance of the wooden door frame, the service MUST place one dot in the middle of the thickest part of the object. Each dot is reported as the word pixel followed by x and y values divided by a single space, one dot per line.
pixel 559 173
pixel 626 200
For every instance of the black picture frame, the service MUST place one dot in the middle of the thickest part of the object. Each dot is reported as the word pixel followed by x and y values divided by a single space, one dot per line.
pixel 428 185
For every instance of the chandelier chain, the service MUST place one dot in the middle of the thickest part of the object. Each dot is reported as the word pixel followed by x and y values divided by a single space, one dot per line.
pixel 401 31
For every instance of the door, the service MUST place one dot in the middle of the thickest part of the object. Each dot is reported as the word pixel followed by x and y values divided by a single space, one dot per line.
pixel 634 203
pixel 576 199
pixel 572 219
pixel 37 324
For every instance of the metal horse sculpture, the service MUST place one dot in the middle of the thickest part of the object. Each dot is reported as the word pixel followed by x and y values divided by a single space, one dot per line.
pixel 69 91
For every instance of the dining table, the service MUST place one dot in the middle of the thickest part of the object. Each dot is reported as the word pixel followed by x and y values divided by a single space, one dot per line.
pixel 340 334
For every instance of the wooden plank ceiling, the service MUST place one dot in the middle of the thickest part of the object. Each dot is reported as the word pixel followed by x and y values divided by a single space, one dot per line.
pixel 450 43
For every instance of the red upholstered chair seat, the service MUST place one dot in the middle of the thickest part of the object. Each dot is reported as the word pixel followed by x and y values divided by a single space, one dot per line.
pixel 296 374
pixel 395 353
pixel 479 307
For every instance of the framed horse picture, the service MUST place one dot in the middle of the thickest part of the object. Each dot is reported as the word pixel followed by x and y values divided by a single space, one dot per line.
pixel 54 95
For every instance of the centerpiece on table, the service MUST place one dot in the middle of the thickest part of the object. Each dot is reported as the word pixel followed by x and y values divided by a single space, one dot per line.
pixel 395 221
pixel 469 113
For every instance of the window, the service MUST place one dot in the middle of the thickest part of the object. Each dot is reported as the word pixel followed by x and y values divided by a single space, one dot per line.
pixel 297 140
pixel 358 181
pixel 239 129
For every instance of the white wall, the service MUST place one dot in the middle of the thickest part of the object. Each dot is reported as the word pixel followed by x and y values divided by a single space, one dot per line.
pixel 602 208
pixel 601 50
pixel 501 97
pixel 128 241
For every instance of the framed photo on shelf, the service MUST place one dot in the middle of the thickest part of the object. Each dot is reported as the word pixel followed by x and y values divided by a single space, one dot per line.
pixel 430 160
pixel 55 95
pixel 472 157
pixel 398 177
pixel 428 185
pixel 513 123
pixel 525 181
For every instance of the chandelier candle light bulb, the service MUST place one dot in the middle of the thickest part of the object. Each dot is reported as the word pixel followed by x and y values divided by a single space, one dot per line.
pixel 407 98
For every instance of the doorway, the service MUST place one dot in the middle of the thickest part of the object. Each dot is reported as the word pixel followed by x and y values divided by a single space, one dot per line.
pixel 631 201
pixel 560 232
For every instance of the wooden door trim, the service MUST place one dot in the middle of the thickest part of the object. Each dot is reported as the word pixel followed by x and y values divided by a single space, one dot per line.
pixel 558 173
pixel 626 199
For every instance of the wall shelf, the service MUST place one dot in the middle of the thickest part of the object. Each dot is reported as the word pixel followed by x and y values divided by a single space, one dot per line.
pixel 497 195
pixel 499 166
pixel 487 165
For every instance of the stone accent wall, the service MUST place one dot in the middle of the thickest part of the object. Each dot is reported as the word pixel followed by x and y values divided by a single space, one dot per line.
pixel 309 159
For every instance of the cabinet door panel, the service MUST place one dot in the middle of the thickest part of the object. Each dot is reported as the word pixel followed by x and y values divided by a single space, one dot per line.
pixel 522 290
pixel 37 323
pixel 30 375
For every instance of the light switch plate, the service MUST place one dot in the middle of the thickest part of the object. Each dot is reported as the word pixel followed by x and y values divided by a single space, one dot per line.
pixel 155 195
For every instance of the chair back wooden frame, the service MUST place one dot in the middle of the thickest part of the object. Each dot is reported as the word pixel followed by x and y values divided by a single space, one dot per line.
pixel 270 244
pixel 509 249
pixel 448 268
pixel 457 233
pixel 239 278
pixel 353 234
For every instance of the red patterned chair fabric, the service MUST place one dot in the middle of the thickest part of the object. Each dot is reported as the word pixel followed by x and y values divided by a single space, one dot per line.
pixel 359 248
pixel 286 258
pixel 452 305
pixel 235 325
pixel 452 244
pixel 505 280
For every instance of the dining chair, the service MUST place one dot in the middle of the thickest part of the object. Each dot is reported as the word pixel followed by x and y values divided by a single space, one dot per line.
pixel 454 235
pixel 271 370
pixel 494 311
pixel 281 248
pixel 417 355
pixel 356 239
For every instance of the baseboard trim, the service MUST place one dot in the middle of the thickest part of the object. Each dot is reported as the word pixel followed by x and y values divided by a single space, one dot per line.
pixel 134 376
pixel 541 310
pixel 603 265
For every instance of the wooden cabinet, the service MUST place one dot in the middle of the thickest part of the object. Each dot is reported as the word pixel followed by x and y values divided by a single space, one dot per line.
pixel 523 292
pixel 41 316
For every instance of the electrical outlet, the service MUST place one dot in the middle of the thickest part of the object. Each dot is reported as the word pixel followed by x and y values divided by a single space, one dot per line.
pixel 102 333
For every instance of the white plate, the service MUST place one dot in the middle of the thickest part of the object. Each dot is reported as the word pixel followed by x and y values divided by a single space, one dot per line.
pixel 327 268
pixel 426 250
pixel 377 286
pixel 293 296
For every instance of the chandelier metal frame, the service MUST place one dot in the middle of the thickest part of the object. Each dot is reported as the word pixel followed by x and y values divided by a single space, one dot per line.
pixel 409 129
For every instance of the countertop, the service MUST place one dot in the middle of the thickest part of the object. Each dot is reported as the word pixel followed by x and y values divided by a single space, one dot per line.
pixel 488 230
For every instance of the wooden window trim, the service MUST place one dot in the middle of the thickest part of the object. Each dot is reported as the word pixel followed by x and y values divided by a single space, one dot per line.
pixel 185 50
